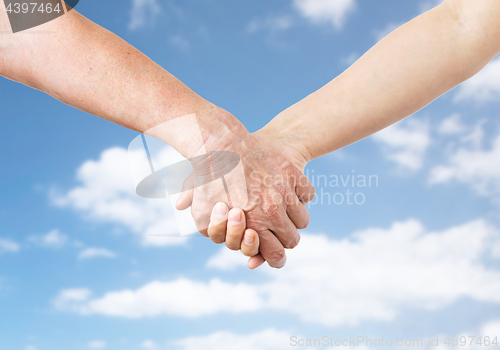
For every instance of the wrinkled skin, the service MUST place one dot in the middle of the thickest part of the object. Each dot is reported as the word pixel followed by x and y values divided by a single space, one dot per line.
pixel 277 193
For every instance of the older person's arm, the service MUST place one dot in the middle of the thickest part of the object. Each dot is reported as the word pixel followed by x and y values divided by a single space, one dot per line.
pixel 84 65
pixel 401 74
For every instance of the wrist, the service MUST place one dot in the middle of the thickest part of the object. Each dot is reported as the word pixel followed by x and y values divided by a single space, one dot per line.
pixel 289 140
pixel 221 130
pixel 208 128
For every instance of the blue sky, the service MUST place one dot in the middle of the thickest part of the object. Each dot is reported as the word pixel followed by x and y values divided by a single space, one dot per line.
pixel 419 258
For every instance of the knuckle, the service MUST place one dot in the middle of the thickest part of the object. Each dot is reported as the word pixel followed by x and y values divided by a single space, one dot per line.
pixel 233 236
pixel 282 190
pixel 231 245
pixel 217 240
pixel 200 216
pixel 215 235
pixel 204 233
pixel 202 226
pixel 292 242
pixel 305 222
pixel 246 253
pixel 289 170
pixel 271 210
pixel 211 233
pixel 312 192
pixel 309 196
pixel 197 217
pixel 291 199
pixel 276 256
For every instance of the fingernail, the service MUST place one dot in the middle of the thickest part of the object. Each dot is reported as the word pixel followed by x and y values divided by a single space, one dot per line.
pixel 221 210
pixel 249 238
pixel 235 217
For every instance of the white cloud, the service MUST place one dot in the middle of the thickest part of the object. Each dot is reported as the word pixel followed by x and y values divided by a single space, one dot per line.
pixel 334 12
pixel 452 125
pixel 371 275
pixel 378 271
pixel 405 143
pixel 8 246
pixel 181 297
pixel 91 253
pixel 53 239
pixel 269 339
pixel 106 194
pixel 489 330
pixel 227 260
pixel 69 296
pixel 495 250
pixel 271 23
pixel 30 347
pixel 143 12
pixel 478 168
pixel 484 86
pixel 475 138
pixel 96 344
pixel 149 344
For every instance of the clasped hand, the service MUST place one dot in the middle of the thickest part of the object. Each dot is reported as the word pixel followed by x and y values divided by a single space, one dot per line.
pixel 276 192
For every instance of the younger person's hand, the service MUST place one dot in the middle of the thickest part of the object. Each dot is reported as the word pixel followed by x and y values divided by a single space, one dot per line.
pixel 229 226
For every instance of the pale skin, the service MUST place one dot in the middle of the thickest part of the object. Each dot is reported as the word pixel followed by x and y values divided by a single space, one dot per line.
pixel 85 66
pixel 401 74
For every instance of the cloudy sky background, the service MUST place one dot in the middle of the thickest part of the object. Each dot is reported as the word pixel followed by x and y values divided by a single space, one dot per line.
pixel 419 258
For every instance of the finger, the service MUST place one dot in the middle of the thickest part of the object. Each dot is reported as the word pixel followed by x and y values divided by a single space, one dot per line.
pixel 281 225
pixel 218 223
pixel 235 228
pixel 201 220
pixel 250 244
pixel 304 189
pixel 202 228
pixel 185 199
pixel 271 249
pixel 255 261
pixel 297 212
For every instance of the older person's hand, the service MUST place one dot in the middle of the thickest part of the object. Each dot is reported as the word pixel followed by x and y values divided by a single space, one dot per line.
pixel 276 189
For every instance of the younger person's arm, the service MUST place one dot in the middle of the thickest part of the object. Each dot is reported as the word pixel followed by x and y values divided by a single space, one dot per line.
pixel 401 74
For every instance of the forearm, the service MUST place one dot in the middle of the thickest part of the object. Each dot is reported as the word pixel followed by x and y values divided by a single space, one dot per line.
pixel 400 75
pixel 90 68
